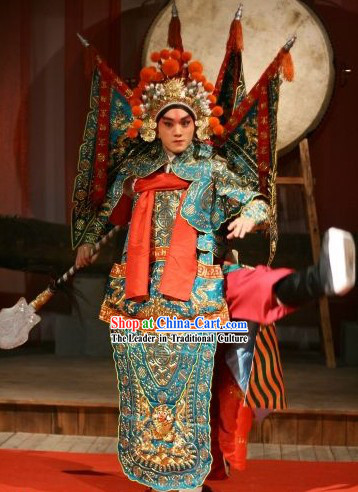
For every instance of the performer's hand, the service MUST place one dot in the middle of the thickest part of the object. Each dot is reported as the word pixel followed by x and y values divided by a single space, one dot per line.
pixel 84 256
pixel 240 226
pixel 128 186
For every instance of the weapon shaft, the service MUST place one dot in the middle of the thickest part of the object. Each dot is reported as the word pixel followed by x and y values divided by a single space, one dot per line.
pixel 46 295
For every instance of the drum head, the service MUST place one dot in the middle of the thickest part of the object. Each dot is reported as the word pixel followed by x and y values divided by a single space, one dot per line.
pixel 266 27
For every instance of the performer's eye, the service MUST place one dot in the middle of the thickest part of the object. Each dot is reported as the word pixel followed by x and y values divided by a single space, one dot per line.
pixel 186 123
pixel 167 124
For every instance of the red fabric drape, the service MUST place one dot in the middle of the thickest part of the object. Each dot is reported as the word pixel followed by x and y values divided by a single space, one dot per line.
pixel 249 294
pixel 181 264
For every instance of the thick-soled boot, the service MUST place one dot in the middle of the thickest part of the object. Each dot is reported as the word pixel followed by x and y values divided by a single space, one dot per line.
pixel 333 275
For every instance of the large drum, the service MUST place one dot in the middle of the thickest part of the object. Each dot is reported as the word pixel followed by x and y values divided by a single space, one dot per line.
pixel 267 25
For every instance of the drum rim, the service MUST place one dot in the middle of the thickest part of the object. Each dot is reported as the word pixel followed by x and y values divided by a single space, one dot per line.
pixel 330 87
pixel 332 73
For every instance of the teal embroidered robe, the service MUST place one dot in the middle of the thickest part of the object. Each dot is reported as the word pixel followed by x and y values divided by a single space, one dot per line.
pixel 164 387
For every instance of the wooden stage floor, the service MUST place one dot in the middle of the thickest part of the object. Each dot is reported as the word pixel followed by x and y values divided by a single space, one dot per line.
pixel 99 444
pixel 46 377
pixel 65 395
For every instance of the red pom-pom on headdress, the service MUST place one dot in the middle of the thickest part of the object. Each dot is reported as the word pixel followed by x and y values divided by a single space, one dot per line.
pixel 136 111
pixel 147 74
pixel 218 130
pixel 175 54
pixel 158 77
pixel 213 121
pixel 132 132
pixel 197 76
pixel 195 66
pixel 186 56
pixel 137 124
pixel 217 111
pixel 155 56
pixel 212 98
pixel 165 54
pixel 170 67
pixel 209 87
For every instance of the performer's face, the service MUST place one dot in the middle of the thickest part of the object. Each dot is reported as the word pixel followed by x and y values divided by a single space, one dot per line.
pixel 176 130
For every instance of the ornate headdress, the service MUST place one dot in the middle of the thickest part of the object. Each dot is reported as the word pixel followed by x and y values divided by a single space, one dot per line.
pixel 175 80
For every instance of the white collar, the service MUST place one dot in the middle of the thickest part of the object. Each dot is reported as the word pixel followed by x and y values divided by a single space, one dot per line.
pixel 170 155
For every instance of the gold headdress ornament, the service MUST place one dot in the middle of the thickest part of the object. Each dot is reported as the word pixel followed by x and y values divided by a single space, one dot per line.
pixel 174 80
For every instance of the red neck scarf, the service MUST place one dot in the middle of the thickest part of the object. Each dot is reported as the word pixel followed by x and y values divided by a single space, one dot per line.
pixel 181 263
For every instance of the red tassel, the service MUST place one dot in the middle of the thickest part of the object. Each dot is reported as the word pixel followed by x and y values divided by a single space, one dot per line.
pixel 287 66
pixel 174 34
pixel 235 40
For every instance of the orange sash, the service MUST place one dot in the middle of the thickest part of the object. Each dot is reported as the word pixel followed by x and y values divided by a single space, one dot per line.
pixel 181 262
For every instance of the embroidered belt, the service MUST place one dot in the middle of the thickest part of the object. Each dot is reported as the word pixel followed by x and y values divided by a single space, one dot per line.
pixel 107 311
pixel 159 254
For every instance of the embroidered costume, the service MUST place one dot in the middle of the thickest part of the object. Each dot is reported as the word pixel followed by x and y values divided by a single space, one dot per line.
pixel 173 259
pixel 159 385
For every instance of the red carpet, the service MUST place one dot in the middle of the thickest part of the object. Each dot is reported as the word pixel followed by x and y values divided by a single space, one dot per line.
pixel 30 471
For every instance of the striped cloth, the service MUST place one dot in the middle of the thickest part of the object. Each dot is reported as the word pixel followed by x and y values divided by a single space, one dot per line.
pixel 266 388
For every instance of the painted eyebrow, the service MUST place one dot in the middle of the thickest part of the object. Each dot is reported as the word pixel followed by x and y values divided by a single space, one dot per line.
pixel 166 118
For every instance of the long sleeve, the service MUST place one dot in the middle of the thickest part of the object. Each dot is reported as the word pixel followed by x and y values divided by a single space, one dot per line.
pixel 117 207
pixel 98 226
pixel 259 211
pixel 217 196
pixel 138 161
pixel 235 193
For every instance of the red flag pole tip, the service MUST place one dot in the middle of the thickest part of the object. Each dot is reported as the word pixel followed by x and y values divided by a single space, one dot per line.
pixel 238 14
pixel 175 12
pixel 290 43
pixel 83 40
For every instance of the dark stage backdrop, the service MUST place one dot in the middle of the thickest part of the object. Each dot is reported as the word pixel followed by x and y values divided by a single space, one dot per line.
pixel 14 119
pixel 44 97
pixel 334 144
pixel 14 89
